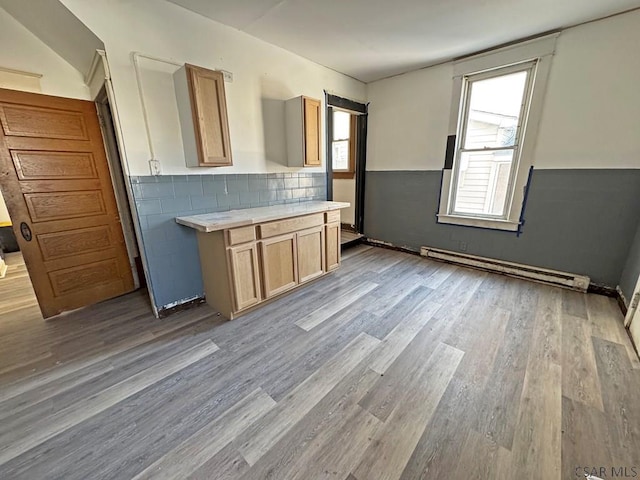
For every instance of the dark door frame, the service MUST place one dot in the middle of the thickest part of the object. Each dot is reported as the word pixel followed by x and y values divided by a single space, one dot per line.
pixel 362 110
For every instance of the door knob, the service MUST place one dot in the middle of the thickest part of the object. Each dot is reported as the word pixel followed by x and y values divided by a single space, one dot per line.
pixel 25 231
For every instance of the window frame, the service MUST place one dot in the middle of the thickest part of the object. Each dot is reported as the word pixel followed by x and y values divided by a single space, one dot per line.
pixel 530 68
pixel 349 172
pixel 535 53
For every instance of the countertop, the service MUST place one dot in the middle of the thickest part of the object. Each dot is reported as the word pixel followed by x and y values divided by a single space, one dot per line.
pixel 211 222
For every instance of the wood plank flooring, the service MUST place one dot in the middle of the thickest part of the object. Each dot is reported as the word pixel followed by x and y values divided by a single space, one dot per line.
pixel 393 367
pixel 349 237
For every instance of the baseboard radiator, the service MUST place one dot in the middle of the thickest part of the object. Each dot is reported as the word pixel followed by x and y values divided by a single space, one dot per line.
pixel 536 274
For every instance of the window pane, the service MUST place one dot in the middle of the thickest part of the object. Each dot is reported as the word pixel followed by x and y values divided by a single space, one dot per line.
pixel 494 108
pixel 341 125
pixel 341 155
pixel 483 182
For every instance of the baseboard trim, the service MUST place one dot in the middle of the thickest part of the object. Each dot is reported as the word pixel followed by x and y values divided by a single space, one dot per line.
pixel 622 301
pixel 389 246
pixel 165 312
pixel 547 276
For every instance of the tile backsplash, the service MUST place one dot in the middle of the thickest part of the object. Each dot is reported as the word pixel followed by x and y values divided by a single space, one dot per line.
pixel 173 262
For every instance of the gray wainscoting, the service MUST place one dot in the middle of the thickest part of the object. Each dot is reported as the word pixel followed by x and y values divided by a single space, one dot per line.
pixel 631 270
pixel 580 221
pixel 171 250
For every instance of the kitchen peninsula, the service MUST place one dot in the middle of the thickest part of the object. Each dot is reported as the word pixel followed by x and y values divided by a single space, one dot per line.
pixel 252 255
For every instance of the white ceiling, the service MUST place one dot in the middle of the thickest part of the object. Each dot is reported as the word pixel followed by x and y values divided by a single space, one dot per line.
pixel 373 39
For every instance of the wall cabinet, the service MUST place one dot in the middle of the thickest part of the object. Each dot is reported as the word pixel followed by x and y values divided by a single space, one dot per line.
pixel 245 266
pixel 303 132
pixel 202 108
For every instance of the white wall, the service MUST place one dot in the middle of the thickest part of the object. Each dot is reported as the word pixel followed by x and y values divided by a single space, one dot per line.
pixel 24 51
pixel 264 76
pixel 590 117
pixel 344 190
pixel 4 213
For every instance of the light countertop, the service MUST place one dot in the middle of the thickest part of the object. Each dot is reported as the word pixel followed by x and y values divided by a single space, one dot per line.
pixel 211 222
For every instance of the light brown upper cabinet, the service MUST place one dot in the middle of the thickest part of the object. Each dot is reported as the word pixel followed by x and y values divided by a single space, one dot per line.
pixel 303 132
pixel 202 108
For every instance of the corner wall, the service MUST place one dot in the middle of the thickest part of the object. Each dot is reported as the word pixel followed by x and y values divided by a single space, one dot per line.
pixel 264 76
pixel 25 52
pixel 582 210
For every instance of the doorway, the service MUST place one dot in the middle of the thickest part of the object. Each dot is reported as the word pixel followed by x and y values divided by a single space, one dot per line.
pixel 346 162
pixel 57 185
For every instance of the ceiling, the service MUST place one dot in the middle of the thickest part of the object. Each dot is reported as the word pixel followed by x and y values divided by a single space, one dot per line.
pixel 374 39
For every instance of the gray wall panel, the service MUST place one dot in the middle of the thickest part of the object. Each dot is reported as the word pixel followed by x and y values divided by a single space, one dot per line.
pixel 580 221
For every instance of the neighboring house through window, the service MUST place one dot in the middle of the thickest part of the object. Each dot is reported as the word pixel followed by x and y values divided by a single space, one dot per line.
pixel 343 144
pixel 496 106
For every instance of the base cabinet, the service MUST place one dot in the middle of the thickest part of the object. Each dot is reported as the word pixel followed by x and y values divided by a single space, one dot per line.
pixel 245 266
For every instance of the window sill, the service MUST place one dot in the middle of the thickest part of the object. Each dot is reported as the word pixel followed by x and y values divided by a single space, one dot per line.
pixel 479 222
pixel 344 175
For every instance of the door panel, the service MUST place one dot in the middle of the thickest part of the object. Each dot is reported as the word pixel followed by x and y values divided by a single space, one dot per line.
pixel 47 165
pixel 332 241
pixel 26 121
pixel 57 186
pixel 245 275
pixel 74 242
pixel 312 131
pixel 310 246
pixel 44 207
pixel 279 264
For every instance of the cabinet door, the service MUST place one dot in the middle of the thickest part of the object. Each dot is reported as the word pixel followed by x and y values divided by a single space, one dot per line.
pixel 311 109
pixel 332 241
pixel 279 264
pixel 245 275
pixel 310 245
pixel 209 108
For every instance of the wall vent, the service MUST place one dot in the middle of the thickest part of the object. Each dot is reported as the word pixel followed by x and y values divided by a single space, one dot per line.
pixel 537 274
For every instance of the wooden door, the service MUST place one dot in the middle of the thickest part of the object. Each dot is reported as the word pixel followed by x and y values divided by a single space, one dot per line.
pixel 55 180
pixel 332 241
pixel 310 246
pixel 245 275
pixel 311 109
pixel 279 264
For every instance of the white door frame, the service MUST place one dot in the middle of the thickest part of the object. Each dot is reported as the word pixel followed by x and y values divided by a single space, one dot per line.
pixel 633 306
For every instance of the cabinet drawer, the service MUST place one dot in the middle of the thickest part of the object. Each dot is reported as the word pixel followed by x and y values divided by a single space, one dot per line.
pixel 290 225
pixel 333 216
pixel 239 235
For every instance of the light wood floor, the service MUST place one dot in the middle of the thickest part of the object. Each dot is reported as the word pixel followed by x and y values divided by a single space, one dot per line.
pixel 347 236
pixel 393 367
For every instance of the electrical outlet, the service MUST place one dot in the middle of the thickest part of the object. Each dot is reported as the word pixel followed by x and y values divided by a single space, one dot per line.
pixel 154 167
pixel 228 76
pixel 463 246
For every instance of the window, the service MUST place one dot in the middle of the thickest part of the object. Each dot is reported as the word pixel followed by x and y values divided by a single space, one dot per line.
pixel 495 111
pixel 343 144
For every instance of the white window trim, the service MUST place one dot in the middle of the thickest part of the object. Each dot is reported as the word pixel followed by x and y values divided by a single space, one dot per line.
pixel 542 50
